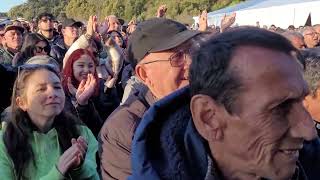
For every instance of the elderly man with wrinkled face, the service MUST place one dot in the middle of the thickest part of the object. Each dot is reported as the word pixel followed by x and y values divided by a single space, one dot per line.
pixel 241 118
pixel 311 37
pixel 11 43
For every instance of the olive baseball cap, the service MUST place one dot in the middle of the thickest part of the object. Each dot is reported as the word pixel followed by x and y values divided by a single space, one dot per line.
pixel 156 35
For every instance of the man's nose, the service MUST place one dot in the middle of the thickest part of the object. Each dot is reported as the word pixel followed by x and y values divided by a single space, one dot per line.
pixel 52 92
pixel 301 123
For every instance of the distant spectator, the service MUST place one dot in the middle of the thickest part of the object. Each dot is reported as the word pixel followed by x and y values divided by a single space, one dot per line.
pixel 33 44
pixel 258 24
pixel 45 26
pixel 70 32
pixel 317 29
pixel 273 28
pixel 11 41
pixel 114 23
pixel 310 37
pixel 291 28
pixel 295 38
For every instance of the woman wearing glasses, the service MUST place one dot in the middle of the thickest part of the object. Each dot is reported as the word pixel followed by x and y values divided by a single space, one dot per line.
pixel 41 141
pixel 33 44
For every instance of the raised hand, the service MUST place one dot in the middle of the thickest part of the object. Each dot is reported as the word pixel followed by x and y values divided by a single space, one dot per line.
pixel 227 21
pixel 74 156
pixel 162 11
pixel 203 21
pixel 86 89
pixel 132 26
pixel 92 25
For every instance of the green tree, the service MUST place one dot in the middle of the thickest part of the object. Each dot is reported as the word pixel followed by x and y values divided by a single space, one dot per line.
pixel 181 10
pixel 81 9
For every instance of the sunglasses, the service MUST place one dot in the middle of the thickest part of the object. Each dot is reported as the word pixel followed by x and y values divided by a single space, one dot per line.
pixel 176 60
pixel 33 67
pixel 45 49
pixel 48 19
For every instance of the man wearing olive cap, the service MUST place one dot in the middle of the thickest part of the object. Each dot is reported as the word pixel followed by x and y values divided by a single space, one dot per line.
pixel 11 38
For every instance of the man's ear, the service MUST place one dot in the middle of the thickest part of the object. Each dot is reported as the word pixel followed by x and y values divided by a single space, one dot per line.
pixel 21 103
pixel 142 73
pixel 206 117
pixel 63 31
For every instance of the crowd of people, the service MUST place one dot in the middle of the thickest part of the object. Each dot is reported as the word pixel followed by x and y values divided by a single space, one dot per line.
pixel 158 100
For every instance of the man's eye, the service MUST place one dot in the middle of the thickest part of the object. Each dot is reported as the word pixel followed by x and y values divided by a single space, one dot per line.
pixel 284 108
pixel 41 89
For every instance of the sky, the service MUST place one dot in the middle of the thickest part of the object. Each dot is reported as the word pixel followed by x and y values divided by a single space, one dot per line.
pixel 5 5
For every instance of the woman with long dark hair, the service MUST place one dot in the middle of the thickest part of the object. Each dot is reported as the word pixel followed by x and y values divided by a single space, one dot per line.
pixel 33 44
pixel 41 141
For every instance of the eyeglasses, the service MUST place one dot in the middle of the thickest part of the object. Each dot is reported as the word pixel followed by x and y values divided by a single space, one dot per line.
pixel 176 60
pixel 311 34
pixel 45 49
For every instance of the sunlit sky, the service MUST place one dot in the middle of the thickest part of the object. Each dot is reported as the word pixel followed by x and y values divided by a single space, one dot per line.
pixel 5 5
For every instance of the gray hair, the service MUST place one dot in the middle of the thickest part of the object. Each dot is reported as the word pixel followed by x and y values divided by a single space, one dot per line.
pixel 290 35
pixel 312 73
pixel 306 29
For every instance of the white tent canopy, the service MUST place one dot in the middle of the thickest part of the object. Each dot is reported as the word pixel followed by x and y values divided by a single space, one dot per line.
pixel 281 13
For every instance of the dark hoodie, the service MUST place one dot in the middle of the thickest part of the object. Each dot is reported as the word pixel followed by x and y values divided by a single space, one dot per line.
pixel 165 142
pixel 166 145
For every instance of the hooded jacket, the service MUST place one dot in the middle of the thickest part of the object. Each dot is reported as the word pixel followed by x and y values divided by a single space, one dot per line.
pixel 47 152
pixel 166 145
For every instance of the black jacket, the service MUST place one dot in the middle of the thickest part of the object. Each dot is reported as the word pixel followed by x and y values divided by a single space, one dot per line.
pixel 7 75
pixel 58 50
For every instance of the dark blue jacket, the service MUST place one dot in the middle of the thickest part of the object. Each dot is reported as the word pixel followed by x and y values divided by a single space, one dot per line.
pixel 166 145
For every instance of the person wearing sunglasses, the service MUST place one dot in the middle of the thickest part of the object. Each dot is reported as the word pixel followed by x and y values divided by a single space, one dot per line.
pixel 42 141
pixel 45 27
pixel 159 51
pixel 34 44
pixel 70 32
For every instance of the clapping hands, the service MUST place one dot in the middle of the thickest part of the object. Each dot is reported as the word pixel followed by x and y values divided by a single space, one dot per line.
pixel 74 156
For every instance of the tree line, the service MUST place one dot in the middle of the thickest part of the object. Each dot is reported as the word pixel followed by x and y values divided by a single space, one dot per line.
pixel 181 10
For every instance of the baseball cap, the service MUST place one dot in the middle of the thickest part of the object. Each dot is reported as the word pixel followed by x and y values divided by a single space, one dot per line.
pixel 156 35
pixel 71 22
pixel 13 27
pixel 48 15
